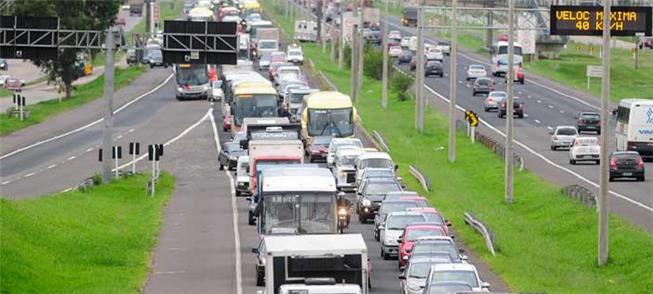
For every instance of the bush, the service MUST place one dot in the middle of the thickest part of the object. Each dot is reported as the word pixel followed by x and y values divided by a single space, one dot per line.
pixel 373 67
pixel 401 83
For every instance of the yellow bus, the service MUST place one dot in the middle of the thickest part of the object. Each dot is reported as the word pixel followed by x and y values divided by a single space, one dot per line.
pixel 252 100
pixel 328 113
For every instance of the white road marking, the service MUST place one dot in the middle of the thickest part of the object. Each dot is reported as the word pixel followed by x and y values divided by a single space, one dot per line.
pixel 52 166
pixel 118 137
pixel 550 106
pixel 169 272
pixel 234 208
pixel 5 182
pixel 174 249
pixel 71 158
pixel 549 127
pixel 529 97
pixel 525 114
pixel 130 130
pixel 29 175
pixel 539 101
pixel 562 111
pixel 57 137
pixel 89 149
pixel 537 121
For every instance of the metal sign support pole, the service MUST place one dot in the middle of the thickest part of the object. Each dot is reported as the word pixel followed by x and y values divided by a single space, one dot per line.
pixel 115 150
pixel 134 163
pixel 21 107
pixel 419 70
pixel 107 141
pixel 605 94
pixel 361 51
pixel 508 184
pixel 473 134
pixel 384 39
pixel 153 176
pixel 453 83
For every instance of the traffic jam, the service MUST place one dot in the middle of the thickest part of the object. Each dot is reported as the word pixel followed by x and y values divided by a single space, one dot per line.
pixel 307 178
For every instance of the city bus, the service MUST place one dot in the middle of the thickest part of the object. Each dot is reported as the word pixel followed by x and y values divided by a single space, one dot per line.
pixel 252 100
pixel 192 81
pixel 634 130
pixel 327 113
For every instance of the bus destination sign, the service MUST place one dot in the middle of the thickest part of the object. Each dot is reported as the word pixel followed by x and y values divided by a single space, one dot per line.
pixel 588 20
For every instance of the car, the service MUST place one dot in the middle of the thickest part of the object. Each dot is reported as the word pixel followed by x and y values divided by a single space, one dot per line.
pixel 585 149
pixel 433 217
pixel 318 147
pixel 216 91
pixel 493 99
pixel 131 56
pixel 394 35
pixel 242 177
pixel 433 67
pixel 429 245
pixel 371 195
pixel 434 53
pixel 397 195
pixel 405 42
pixel 372 160
pixel 395 51
pixel 483 85
pixel 563 136
pixel 295 55
pixel 392 228
pixel 229 155
pixel 387 207
pixel 519 76
pixel 264 62
pixel 343 168
pixel 414 231
pixel 517 106
pixel 378 173
pixel 413 278
pixel 394 42
pixel 121 22
pixel 627 164
pixel 155 57
pixel 588 121
pixel 405 57
pixel 3 64
pixel 475 71
pixel 231 18
pixel 226 122
pixel 336 142
pixel 457 272
pixel 445 47
pixel 448 287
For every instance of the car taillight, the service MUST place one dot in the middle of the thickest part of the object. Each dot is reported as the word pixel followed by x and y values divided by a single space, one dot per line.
pixel 521 106
pixel 613 163
pixel 640 163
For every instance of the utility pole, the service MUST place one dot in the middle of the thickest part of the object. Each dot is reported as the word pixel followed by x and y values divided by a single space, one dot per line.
pixel 605 94
pixel 319 24
pixel 148 17
pixel 419 70
pixel 453 82
pixel 361 50
pixel 107 140
pixel 354 63
pixel 341 45
pixel 490 24
pixel 334 40
pixel 287 8
pixel 384 40
pixel 509 103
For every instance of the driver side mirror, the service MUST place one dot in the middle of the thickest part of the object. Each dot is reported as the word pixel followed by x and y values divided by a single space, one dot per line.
pixel 551 132
pixel 396 167
pixel 400 240
pixel 485 285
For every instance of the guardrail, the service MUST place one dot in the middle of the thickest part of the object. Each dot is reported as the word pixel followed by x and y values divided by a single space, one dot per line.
pixel 583 195
pixel 499 149
pixel 422 178
pixel 379 138
pixel 479 226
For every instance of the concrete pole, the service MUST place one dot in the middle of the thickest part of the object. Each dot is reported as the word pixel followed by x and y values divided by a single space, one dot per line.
pixel 509 104
pixel 361 51
pixel 453 82
pixel 341 45
pixel 384 40
pixel 107 140
pixel 334 40
pixel 148 16
pixel 419 70
pixel 319 24
pixel 490 23
pixel 354 63
pixel 605 94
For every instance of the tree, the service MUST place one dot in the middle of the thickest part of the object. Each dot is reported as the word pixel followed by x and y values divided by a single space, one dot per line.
pixel 77 15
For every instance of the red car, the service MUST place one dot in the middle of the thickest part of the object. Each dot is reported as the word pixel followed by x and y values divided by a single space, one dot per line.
pixel 121 22
pixel 433 216
pixel 413 232
pixel 318 147
pixel 226 123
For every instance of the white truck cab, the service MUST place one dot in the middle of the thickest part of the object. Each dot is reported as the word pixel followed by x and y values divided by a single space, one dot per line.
pixel 372 160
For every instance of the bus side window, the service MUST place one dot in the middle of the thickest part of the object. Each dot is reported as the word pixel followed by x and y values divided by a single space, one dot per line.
pixel 622 114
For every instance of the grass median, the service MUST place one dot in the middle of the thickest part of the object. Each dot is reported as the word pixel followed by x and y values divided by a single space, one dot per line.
pixel 85 93
pixel 98 241
pixel 547 242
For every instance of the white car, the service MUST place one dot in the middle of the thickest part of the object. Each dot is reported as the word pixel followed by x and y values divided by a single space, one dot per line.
pixel 216 91
pixel 395 51
pixel 493 99
pixel 343 166
pixel 242 177
pixel 445 47
pixel 585 149
pixel 295 56
pixel 394 35
pixel 405 42
pixel 393 227
pixel 335 143
pixel 563 137
pixel 475 71
pixel 457 272
pixel 434 53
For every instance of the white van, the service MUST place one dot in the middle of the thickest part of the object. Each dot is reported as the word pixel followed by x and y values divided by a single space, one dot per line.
pixel 499 51
pixel 305 30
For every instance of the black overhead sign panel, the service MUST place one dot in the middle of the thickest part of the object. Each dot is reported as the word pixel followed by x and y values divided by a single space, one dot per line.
pixel 203 42
pixel 588 20
pixel 26 37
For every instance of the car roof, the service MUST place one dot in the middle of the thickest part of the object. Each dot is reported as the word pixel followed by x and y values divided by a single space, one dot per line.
pixel 434 238
pixel 398 213
pixel 565 127
pixel 370 155
pixel 417 226
pixel 453 266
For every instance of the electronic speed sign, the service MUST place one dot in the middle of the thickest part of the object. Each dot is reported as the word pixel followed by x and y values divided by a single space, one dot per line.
pixel 588 20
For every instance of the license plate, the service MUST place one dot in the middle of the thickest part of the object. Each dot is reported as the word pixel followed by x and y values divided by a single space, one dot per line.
pixel 627 174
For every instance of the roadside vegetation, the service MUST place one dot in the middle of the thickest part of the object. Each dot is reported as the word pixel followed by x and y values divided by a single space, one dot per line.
pixel 98 241
pixel 83 94
pixel 547 242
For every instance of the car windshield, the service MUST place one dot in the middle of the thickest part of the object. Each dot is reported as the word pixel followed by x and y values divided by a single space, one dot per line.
pixel 376 163
pixel 399 222
pixel 468 277
pixel 256 105
pixel 587 142
pixel 419 270
pixel 477 67
pixel 435 218
pixel 381 188
pixel 433 247
pixel 194 75
pixel 447 289
pixel 348 160
pixel 308 213
pixel 484 82
pixel 294 53
pixel 424 232
pixel 389 207
pixel 296 98
pixel 334 145
pixel 594 116
pixel 567 132
pixel 266 57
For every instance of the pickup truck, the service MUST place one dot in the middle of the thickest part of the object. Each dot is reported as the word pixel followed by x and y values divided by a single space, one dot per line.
pixel 518 108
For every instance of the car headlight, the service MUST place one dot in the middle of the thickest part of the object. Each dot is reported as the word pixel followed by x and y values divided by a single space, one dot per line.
pixel 207 87
pixel 367 202
pixel 180 89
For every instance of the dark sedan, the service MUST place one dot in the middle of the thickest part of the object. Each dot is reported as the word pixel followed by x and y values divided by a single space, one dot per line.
pixel 589 121
pixel 626 164
pixel 517 108
pixel 483 86
pixel 318 147
pixel 229 155
pixel 433 67
pixel 370 196
pixel 405 57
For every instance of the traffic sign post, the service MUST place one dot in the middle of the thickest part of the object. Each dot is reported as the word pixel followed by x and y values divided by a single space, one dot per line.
pixel 154 154
pixel 472 122
pixel 116 154
pixel 593 71
pixel 134 149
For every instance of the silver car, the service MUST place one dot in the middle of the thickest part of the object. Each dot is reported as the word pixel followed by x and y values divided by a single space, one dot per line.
pixel 493 99
pixel 413 279
pixel 476 71
pixel 563 137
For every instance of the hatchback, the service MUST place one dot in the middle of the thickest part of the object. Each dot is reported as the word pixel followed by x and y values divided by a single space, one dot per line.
pixel 626 164
pixel 563 136
pixel 483 86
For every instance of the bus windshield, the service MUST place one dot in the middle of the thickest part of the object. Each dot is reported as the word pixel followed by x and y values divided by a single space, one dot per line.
pixel 194 75
pixel 504 50
pixel 336 122
pixel 257 105
pixel 309 213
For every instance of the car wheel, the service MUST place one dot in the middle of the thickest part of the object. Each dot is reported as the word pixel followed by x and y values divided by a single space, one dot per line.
pixel 642 178
pixel 260 278
pixel 553 148
pixel 521 82
pixel 598 162
pixel 250 219
pixel 474 94
pixel 151 65
pixel 369 281
pixel 598 132
pixel 610 179
pixel 572 161
pixel 238 193
pixel 521 115
pixel 486 109
pixel 382 253
pixel 360 218
pixel 221 166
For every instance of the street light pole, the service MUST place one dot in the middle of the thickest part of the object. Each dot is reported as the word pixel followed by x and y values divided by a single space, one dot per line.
pixel 419 70
pixel 107 139
pixel 384 39
pixel 605 94
pixel 508 184
pixel 453 81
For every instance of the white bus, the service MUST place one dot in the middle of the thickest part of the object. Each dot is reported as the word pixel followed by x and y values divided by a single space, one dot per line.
pixel 634 131
pixel 499 53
